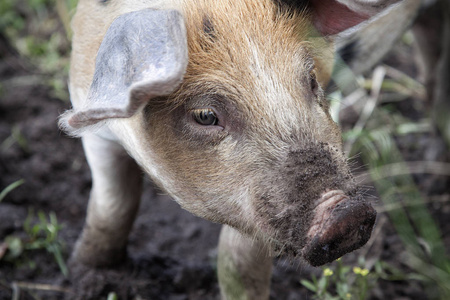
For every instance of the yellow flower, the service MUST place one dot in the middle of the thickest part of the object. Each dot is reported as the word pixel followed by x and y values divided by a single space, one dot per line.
pixel 348 296
pixel 359 271
pixel 327 272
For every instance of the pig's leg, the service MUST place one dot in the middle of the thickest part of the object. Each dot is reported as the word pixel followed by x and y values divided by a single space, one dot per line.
pixel 114 200
pixel 244 267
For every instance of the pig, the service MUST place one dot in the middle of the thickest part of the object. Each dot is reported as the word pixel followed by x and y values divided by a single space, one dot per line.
pixel 222 105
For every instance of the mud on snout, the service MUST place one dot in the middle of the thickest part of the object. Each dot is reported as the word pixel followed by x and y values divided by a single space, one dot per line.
pixel 340 225
pixel 310 206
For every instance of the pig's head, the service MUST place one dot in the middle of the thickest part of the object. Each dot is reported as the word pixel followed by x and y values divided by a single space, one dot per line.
pixel 239 133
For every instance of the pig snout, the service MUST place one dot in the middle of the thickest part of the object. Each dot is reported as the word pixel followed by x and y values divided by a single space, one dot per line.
pixel 340 225
pixel 312 208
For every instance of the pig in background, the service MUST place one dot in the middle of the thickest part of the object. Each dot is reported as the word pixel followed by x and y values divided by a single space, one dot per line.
pixel 230 120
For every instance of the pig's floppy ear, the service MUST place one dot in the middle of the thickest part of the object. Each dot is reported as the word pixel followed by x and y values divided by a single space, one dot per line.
pixel 143 55
pixel 364 46
pixel 341 21
pixel 331 17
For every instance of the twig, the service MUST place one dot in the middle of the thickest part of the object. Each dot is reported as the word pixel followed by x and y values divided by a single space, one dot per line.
pixel 354 97
pixel 40 287
pixel 16 292
pixel 404 168
pixel 3 248
pixel 408 82
pixel 377 81
pixel 391 207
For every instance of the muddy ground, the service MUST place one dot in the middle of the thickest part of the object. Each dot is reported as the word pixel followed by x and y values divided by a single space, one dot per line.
pixel 171 252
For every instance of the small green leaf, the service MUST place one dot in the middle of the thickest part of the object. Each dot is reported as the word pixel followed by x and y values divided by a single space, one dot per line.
pixel 15 246
pixel 309 285
pixel 322 284
pixel 342 289
pixel 112 296
pixel 35 230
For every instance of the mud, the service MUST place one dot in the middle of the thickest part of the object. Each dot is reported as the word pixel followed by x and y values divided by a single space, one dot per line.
pixel 347 228
pixel 171 253
pixel 288 205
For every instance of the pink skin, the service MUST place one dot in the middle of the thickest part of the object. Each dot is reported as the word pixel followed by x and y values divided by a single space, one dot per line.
pixel 340 225
pixel 331 17
pixel 324 207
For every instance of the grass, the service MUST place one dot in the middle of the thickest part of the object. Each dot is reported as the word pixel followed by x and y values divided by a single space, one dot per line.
pixel 425 251
pixel 40 34
pixel 426 254
pixel 343 282
pixel 37 35
pixel 373 138
pixel 16 137
pixel 40 235
pixel 10 188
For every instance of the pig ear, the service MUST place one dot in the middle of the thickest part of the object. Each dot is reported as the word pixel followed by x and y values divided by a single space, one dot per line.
pixel 331 17
pixel 364 46
pixel 143 55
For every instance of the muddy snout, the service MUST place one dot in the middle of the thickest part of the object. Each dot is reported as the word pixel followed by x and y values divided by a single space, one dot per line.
pixel 340 225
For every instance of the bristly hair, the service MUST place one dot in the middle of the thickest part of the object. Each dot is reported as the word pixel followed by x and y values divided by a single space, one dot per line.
pixel 63 124
pixel 220 39
pixel 293 4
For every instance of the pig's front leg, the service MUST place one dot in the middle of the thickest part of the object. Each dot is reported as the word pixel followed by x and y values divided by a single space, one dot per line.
pixel 114 200
pixel 244 267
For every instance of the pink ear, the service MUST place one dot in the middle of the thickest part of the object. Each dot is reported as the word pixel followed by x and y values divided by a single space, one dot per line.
pixel 331 17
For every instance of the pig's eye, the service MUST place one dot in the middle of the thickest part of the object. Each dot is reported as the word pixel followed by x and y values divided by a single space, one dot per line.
pixel 313 82
pixel 205 116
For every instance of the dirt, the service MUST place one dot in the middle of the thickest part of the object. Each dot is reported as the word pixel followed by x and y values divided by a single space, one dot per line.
pixel 171 252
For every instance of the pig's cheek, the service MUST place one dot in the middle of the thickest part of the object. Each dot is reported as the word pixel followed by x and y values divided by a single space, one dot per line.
pixel 195 170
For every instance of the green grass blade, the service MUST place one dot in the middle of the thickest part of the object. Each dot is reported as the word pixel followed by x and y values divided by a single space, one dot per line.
pixel 11 187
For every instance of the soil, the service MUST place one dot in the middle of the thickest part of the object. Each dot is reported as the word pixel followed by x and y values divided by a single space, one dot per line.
pixel 171 253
